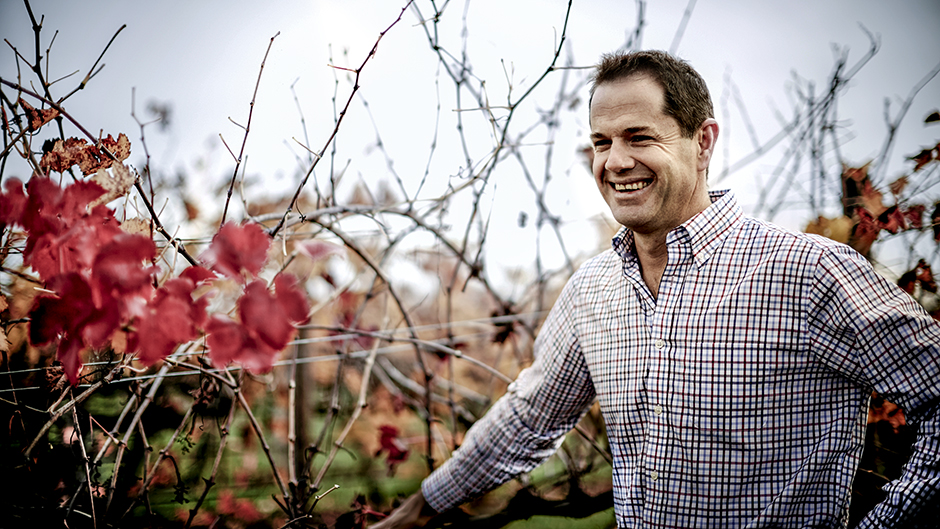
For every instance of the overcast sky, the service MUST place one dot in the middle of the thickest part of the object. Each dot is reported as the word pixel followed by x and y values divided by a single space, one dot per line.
pixel 202 58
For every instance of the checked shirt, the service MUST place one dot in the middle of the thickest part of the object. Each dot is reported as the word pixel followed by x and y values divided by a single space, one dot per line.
pixel 737 397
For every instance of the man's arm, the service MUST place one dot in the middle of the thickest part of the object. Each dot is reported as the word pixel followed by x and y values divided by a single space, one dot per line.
pixel 413 512
pixel 525 426
pixel 880 336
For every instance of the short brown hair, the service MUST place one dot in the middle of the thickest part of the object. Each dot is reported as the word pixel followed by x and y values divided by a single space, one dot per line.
pixel 685 93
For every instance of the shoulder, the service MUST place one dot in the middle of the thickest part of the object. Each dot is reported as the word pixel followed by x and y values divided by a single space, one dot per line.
pixel 806 247
pixel 828 269
pixel 597 269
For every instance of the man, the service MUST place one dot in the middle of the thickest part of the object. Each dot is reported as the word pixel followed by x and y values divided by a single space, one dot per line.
pixel 733 360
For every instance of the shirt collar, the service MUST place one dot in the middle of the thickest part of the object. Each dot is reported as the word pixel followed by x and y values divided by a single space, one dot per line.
pixel 703 232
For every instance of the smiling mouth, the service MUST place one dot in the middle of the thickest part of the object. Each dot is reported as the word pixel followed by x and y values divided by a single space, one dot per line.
pixel 633 186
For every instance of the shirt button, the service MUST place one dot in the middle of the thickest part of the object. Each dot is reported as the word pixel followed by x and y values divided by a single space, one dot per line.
pixel 660 345
pixel 654 475
pixel 658 410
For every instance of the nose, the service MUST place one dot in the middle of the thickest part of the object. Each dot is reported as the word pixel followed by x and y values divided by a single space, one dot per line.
pixel 619 159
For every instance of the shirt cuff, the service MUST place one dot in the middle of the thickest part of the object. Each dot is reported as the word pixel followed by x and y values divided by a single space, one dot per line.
pixel 441 491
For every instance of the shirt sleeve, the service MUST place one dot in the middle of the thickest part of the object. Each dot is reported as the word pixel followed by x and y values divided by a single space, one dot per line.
pixel 881 337
pixel 526 426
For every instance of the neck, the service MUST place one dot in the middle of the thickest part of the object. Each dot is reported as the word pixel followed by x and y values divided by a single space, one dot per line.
pixel 652 253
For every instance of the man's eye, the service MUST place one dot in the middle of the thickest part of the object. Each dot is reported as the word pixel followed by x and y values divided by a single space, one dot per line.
pixel 600 144
pixel 640 139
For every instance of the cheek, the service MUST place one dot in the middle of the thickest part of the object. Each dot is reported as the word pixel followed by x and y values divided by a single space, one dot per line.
pixel 597 166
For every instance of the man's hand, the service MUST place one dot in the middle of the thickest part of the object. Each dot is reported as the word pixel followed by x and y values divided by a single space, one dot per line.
pixel 414 512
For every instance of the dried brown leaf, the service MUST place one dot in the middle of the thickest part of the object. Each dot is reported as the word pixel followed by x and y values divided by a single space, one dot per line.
pixel 116 183
pixel 76 151
pixel 838 229
pixel 65 154
pixel 120 148
pixel 136 226
pixel 36 117
pixel 858 191
pixel 897 187
pixel 922 158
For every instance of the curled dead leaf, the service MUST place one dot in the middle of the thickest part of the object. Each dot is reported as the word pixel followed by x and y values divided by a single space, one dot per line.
pixel 120 148
pixel 897 187
pixel 115 183
pixel 137 226
pixel 858 191
pixel 62 155
pixel 36 117
pixel 922 158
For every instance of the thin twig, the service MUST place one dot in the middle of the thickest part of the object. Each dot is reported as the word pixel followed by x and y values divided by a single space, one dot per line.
pixel 251 110
pixel 293 203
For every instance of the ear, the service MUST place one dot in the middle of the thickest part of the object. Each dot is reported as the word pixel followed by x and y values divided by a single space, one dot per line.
pixel 707 138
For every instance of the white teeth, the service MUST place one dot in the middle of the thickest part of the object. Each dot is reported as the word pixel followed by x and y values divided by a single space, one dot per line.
pixel 631 187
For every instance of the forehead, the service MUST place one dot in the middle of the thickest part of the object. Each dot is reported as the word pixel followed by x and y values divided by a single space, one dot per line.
pixel 635 95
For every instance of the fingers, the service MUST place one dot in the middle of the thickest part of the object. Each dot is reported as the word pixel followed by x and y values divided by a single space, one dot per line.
pixel 413 512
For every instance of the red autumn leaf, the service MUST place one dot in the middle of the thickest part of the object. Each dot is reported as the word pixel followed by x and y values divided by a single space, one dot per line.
pixel 165 325
pixel 892 220
pixel 291 298
pixel 171 318
pixel 236 248
pixel 864 232
pixel 51 314
pixel 117 271
pixel 183 286
pixel 270 318
pixel 319 250
pixel 390 443
pixel 197 274
pixel 50 208
pixel 69 354
pixel 924 276
pixel 914 215
pixel 225 340
pixel 71 317
pixel 37 118
pixel 64 236
pixel 858 191
pixel 257 356
pixel 920 274
pixel 265 328
pixel 12 202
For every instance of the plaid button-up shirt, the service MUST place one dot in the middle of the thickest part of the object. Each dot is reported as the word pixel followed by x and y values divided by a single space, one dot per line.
pixel 737 397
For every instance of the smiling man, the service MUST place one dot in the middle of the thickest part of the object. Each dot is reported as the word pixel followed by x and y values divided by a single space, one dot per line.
pixel 733 360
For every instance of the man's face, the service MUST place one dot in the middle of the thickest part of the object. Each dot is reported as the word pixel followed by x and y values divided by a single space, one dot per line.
pixel 652 178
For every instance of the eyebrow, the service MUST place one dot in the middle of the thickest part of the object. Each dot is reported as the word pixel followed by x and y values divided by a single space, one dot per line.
pixel 628 131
